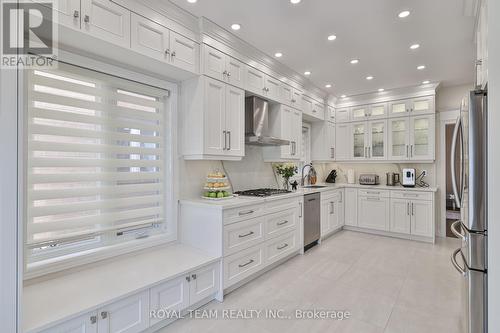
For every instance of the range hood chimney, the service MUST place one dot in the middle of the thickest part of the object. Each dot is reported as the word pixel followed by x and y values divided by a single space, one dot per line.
pixel 257 124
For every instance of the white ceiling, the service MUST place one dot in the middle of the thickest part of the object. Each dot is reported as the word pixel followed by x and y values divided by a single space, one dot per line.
pixel 368 30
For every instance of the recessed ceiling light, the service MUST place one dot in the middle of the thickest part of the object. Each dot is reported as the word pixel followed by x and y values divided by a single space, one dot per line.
pixel 369 78
pixel 354 61
pixel 192 1
pixel 235 26
pixel 307 73
pixel 426 82
pixel 295 1
pixel 421 67
pixel 332 37
pixel 328 86
pixel 343 96
pixel 404 13
pixel 381 89
pixel 278 54
pixel 414 46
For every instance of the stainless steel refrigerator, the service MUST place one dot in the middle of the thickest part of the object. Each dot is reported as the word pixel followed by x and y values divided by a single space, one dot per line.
pixel 470 187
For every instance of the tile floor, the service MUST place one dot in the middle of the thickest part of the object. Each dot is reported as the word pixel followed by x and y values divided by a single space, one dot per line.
pixel 388 285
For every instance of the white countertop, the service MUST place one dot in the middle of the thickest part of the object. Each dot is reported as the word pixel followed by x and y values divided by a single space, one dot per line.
pixel 47 302
pixel 242 201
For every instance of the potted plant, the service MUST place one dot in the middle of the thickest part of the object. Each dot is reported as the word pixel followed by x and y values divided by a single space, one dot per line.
pixel 286 171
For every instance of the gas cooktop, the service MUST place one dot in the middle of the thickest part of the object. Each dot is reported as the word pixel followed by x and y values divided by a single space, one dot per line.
pixel 262 192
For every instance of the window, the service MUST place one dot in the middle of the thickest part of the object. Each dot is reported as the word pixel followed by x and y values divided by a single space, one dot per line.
pixel 96 161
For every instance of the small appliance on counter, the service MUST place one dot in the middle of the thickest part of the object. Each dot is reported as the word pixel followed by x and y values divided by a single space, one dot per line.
pixel 392 179
pixel 331 177
pixel 350 176
pixel 409 178
pixel 369 179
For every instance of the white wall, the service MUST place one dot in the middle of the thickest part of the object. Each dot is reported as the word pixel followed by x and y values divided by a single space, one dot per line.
pixel 449 98
pixel 494 166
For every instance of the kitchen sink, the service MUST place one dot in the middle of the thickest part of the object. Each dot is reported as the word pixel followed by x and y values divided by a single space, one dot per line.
pixel 314 186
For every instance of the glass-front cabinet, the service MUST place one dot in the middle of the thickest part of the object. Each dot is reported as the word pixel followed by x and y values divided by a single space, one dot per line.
pixel 399 108
pixel 413 106
pixel 377 143
pixel 359 140
pixel 359 113
pixel 422 137
pixel 399 138
pixel 378 111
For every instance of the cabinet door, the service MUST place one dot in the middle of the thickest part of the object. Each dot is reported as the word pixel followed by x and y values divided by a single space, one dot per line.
pixel 235 121
pixel 286 94
pixel 330 139
pixel 214 63
pixel 326 211
pixel 185 53
pixel 342 115
pixel 422 137
pixel 129 315
pixel 351 207
pixel 373 213
pixel 68 12
pixel 150 38
pixel 399 108
pixel 214 117
pixel 204 282
pixel 255 81
pixel 400 216
pixel 296 98
pixel 336 214
pixel 296 125
pixel 272 88
pixel 318 110
pixel 287 129
pixel 343 142
pixel 169 296
pixel 423 105
pixel 236 72
pixel 377 147
pixel 399 138
pixel 359 113
pixel 341 209
pixel 83 324
pixel 330 113
pixel 422 218
pixel 359 141
pixel 106 20
pixel 377 111
pixel 307 105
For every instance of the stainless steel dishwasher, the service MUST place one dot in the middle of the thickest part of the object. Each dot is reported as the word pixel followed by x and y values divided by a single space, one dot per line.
pixel 312 206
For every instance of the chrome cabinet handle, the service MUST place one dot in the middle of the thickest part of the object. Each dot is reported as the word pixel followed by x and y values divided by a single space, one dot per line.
pixel 408 208
pixel 282 223
pixel 373 199
pixel 411 151
pixel 104 314
pixel 407 154
pixel 412 209
pixel 193 276
pixel 86 19
pixel 93 320
pixel 76 14
pixel 246 264
pixel 188 278
pixel 229 141
pixel 173 54
pixel 461 270
pixel 225 140
pixel 228 74
pixel 454 229
pixel 245 212
pixel 246 235
pixel 300 204
pixel 167 52
pixel 282 247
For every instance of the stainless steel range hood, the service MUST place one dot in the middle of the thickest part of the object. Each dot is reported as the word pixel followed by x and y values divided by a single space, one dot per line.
pixel 257 124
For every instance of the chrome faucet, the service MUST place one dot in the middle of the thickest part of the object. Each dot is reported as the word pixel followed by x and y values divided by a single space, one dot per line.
pixel 302 177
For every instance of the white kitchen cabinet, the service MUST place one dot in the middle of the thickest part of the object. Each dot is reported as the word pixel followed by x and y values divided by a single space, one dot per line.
pixel 291 96
pixel 359 140
pixel 156 41
pixel 342 115
pixel 172 295
pixel 129 315
pixel 106 20
pixel 332 212
pixel 343 142
pixel 351 207
pixel 399 139
pixel 284 123
pixel 213 120
pixel 203 283
pixel 330 114
pixel 223 67
pixel 272 88
pixel 359 113
pixel 377 139
pixel 307 105
pixel 400 216
pixel 378 111
pixel 86 323
pixel 318 110
pixel 412 106
pixel 422 216
pixel 323 141
pixel 256 81
pixel 296 98
pixel 374 212
pixel 482 45
pixel 67 11
pixel 422 137
pixel 399 108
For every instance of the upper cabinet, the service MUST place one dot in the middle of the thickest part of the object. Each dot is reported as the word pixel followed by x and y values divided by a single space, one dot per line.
pixel 312 109
pixel 323 141
pixel 482 45
pixel 222 67
pixel 156 41
pixel 413 106
pixel 330 113
pixel 284 123
pixel 213 120
pixel 342 115
pixel 412 138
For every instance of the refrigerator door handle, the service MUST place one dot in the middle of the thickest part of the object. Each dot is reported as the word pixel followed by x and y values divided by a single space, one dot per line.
pixel 460 269
pixel 458 125
pixel 454 229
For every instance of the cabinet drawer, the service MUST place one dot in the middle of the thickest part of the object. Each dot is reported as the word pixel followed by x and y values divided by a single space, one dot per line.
pixel 242 235
pixel 331 195
pixel 280 247
pixel 280 205
pixel 243 213
pixel 281 222
pixel 413 195
pixel 374 192
pixel 242 264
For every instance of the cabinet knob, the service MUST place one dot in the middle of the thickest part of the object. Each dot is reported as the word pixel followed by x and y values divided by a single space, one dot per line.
pixel 188 278
pixel 76 14
pixel 228 74
pixel 193 276
pixel 93 320
pixel 86 19
pixel 167 51
pixel 224 73
pixel 173 54
pixel 104 314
